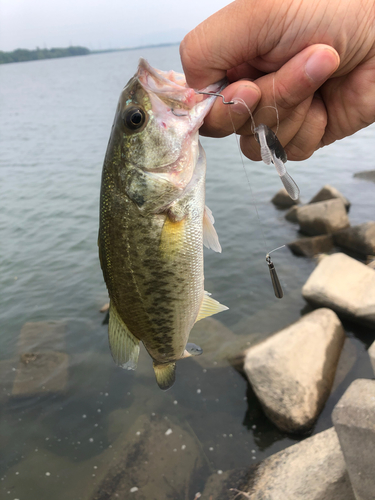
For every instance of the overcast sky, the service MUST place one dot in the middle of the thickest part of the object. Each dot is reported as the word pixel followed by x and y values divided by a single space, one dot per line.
pixel 99 24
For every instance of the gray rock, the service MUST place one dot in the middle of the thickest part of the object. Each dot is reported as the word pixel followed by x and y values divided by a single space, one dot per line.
pixel 41 373
pixel 323 217
pixel 354 419
pixel 291 214
pixel 42 336
pixel 221 347
pixel 371 353
pixel 308 247
pixel 313 469
pixel 345 285
pixel 360 238
pixel 7 376
pixel 283 200
pixel 367 175
pixel 329 193
pixel 346 362
pixel 292 371
pixel 153 454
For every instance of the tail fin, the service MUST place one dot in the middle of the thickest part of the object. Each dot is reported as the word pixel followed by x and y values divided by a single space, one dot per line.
pixel 165 375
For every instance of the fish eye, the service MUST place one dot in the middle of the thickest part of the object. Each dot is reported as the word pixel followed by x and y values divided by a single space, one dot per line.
pixel 134 118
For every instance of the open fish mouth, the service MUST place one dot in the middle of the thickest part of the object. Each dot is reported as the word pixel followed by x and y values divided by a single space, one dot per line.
pixel 171 88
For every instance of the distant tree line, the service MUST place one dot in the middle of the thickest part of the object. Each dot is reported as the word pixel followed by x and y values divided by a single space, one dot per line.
pixel 20 55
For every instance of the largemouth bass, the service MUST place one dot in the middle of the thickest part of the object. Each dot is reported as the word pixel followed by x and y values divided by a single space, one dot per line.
pixel 153 221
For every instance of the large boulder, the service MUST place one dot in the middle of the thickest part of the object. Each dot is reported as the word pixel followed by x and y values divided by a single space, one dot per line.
pixel 360 238
pixel 345 285
pixel 308 247
pixel 330 193
pixel 354 420
pixel 147 460
pixel 323 217
pixel 291 214
pixel 42 336
pixel 371 353
pixel 292 371
pixel 41 373
pixel 367 175
pixel 283 200
pixel 313 469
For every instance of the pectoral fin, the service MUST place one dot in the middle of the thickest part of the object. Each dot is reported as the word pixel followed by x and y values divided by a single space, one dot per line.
pixel 165 375
pixel 209 307
pixel 124 346
pixel 210 237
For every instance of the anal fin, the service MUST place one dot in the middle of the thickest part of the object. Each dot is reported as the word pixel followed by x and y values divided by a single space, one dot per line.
pixel 209 307
pixel 123 344
pixel 165 375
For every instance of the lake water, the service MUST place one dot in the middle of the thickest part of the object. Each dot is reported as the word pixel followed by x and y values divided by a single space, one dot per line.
pixel 56 117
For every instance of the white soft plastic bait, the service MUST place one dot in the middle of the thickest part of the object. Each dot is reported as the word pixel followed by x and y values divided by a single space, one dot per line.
pixel 272 151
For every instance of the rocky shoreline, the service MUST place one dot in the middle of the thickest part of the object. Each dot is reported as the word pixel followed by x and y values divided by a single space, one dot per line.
pixel 292 373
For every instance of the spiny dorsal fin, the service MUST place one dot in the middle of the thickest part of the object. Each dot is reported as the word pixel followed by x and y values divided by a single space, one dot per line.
pixel 210 237
pixel 209 307
pixel 124 346
pixel 165 375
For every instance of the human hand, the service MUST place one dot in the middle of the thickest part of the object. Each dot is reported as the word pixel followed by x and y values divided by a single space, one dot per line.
pixel 313 60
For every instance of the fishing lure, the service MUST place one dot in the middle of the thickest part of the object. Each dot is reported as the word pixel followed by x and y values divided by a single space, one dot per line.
pixel 272 152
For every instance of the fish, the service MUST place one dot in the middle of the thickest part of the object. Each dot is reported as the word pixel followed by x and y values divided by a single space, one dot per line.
pixel 154 222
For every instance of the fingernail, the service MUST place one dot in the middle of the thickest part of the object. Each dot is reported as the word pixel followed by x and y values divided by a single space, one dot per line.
pixel 321 65
pixel 244 99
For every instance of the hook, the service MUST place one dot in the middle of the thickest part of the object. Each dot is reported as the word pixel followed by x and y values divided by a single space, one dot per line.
pixel 215 95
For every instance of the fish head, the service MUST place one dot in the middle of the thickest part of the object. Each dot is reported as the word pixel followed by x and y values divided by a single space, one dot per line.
pixel 155 131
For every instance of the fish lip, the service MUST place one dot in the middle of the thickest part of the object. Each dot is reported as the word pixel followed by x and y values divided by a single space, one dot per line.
pixel 171 86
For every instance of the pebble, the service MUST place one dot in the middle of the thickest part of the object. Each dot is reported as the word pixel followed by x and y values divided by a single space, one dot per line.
pixel 134 489
pixel 169 431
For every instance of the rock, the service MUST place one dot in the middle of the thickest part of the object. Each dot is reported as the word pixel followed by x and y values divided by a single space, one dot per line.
pixel 292 371
pixel 371 353
pixel 367 175
pixel 7 376
pixel 309 247
pixel 313 469
pixel 42 336
pixel 283 200
pixel 221 347
pixel 330 193
pixel 226 486
pixel 105 308
pixel 41 373
pixel 347 359
pixel 323 217
pixel 345 285
pixel 291 214
pixel 353 418
pixel 158 456
pixel 360 238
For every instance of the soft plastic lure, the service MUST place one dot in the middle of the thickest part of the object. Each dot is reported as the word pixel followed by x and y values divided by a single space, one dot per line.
pixel 272 152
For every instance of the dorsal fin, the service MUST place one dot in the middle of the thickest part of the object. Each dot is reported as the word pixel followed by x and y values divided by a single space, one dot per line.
pixel 124 346
pixel 209 307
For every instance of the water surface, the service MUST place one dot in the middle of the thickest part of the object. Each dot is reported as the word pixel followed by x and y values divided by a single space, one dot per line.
pixel 56 117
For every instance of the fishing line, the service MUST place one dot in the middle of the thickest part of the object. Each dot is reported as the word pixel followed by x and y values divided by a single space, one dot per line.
pixel 277 288
pixel 271 152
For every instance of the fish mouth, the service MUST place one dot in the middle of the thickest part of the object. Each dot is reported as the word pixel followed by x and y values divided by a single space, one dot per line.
pixel 171 88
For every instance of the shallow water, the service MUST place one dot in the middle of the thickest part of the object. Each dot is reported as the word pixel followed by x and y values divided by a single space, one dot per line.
pixel 55 122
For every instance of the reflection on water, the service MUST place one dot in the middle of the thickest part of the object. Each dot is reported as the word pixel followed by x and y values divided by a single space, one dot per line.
pixel 78 436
